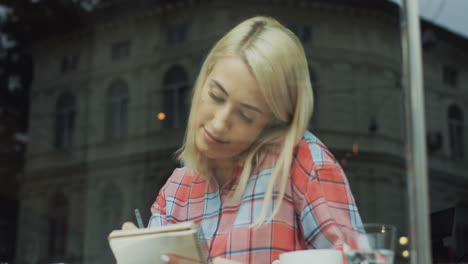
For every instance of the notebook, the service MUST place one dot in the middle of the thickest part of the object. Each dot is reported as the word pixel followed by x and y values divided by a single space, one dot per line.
pixel 147 245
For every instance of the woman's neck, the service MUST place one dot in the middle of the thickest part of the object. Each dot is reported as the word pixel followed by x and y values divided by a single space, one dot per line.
pixel 222 170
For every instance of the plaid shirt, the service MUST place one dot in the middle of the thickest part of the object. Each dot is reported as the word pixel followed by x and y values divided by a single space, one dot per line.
pixel 316 211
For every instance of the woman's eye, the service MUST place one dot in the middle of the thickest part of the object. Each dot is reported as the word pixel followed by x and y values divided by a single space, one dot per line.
pixel 245 117
pixel 216 98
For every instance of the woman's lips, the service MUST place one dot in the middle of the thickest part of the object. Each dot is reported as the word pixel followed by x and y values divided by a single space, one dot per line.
pixel 212 139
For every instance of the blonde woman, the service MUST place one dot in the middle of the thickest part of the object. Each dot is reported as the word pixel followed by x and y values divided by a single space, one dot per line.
pixel 254 180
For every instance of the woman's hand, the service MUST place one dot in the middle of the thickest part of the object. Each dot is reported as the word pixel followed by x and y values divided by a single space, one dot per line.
pixel 129 226
pixel 174 259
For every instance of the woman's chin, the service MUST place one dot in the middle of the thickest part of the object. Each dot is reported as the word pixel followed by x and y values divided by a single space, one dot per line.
pixel 205 150
pixel 210 154
pixel 213 151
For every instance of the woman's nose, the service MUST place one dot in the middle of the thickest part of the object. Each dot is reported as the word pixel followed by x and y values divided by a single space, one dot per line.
pixel 221 122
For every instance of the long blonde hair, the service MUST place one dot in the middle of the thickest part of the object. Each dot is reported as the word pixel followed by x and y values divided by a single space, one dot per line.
pixel 277 60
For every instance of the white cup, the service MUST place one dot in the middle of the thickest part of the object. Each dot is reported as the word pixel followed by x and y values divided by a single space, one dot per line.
pixel 311 256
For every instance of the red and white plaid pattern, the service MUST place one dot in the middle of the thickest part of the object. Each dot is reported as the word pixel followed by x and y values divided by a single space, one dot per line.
pixel 316 212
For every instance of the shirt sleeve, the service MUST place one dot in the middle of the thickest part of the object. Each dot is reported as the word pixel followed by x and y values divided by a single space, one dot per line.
pixel 158 210
pixel 162 209
pixel 323 200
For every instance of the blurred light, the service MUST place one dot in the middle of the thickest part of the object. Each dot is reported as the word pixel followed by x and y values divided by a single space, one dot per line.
pixel 161 116
pixel 383 229
pixel 355 148
pixel 403 241
pixel 405 253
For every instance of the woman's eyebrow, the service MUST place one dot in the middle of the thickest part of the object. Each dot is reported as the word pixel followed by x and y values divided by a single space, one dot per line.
pixel 219 86
pixel 251 107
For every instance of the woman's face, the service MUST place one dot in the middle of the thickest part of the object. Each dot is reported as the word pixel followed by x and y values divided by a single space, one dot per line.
pixel 232 111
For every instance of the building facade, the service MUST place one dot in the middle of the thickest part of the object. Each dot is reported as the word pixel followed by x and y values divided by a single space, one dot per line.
pixel 100 145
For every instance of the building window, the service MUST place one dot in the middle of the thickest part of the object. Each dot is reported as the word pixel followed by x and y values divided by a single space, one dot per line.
pixel 176 34
pixel 64 121
pixel 455 125
pixel 58 225
pixel 69 63
pixel 303 32
pixel 449 76
pixel 175 99
pixel 117 110
pixel 120 50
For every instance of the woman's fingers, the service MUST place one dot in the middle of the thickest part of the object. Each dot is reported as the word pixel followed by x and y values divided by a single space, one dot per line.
pixel 129 226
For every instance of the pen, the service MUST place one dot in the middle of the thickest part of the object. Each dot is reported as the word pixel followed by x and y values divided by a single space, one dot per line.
pixel 138 218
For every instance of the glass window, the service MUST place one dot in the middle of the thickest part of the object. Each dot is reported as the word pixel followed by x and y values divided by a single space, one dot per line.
pixel 64 121
pixel 449 76
pixel 117 110
pixel 175 97
pixel 455 126
pixel 176 34
pixel 120 50
pixel 106 156
pixel 69 63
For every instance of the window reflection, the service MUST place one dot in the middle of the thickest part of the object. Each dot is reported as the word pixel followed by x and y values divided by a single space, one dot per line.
pixel 175 98
pixel 353 52
pixel 455 120
pixel 117 110
pixel 64 121
pixel 120 50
